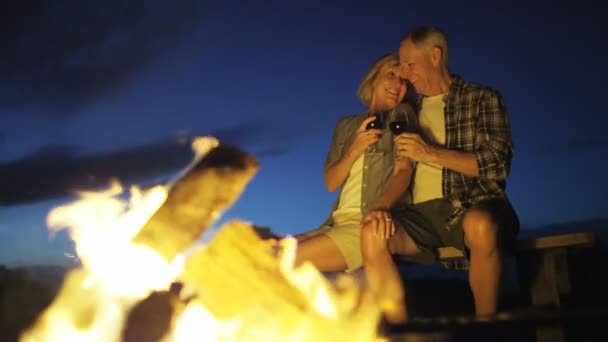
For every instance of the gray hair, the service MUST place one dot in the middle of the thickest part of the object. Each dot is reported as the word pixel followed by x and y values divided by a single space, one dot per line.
pixel 429 37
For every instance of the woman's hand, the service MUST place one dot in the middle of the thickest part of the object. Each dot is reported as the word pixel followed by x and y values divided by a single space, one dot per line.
pixel 364 137
pixel 381 223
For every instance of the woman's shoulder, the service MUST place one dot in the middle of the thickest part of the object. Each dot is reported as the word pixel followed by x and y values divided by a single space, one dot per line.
pixel 352 118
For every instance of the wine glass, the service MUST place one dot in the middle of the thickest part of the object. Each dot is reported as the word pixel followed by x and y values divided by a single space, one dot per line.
pixel 399 121
pixel 376 124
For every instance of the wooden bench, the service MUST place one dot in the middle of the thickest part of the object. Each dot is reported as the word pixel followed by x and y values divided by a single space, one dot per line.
pixel 542 267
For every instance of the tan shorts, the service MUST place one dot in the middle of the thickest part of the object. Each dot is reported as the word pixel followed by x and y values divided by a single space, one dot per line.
pixel 346 234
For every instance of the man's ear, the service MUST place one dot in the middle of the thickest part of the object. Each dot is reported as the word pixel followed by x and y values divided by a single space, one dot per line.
pixel 436 56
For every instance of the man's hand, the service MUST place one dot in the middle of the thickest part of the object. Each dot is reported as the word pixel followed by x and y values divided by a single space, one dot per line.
pixel 364 137
pixel 380 222
pixel 412 146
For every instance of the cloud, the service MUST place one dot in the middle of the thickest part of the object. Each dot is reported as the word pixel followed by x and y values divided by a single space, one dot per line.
pixel 61 55
pixel 59 170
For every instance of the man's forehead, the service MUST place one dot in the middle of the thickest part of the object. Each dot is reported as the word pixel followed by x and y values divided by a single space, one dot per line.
pixel 408 49
pixel 403 52
pixel 407 44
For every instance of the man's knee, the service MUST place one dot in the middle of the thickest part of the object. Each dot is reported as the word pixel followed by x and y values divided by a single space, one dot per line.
pixel 480 230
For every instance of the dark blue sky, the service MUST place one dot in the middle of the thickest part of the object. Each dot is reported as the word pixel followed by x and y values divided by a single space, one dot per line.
pixel 87 84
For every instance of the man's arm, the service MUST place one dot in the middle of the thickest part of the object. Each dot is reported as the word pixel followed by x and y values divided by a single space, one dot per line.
pixel 463 162
pixel 411 145
pixel 493 146
pixel 492 152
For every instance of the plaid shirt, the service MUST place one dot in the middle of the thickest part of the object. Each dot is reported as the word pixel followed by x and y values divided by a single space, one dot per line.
pixel 476 120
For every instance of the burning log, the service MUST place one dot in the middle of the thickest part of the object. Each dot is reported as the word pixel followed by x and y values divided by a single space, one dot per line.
pixel 197 199
pixel 243 279
pixel 236 269
pixel 249 291
pixel 240 287
pixel 151 318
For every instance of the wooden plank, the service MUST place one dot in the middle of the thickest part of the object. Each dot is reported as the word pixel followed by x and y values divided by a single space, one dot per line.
pixel 552 333
pixel 447 253
pixel 580 239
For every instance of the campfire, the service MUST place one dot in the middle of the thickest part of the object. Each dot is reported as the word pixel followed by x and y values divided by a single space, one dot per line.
pixel 143 277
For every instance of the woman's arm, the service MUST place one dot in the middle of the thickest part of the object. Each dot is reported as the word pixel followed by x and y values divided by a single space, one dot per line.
pixel 337 172
pixel 397 186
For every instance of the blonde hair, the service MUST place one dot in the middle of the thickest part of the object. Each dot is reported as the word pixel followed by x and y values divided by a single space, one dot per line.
pixel 366 88
pixel 430 37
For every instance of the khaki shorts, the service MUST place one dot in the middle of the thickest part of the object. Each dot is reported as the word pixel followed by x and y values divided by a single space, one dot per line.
pixel 346 234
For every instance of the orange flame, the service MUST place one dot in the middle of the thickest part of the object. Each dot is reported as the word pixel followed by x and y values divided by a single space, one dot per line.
pixel 116 274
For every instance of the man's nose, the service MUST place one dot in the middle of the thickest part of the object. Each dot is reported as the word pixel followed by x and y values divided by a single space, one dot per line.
pixel 404 71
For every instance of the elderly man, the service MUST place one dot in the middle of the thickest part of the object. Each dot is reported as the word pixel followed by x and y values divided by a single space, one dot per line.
pixel 462 155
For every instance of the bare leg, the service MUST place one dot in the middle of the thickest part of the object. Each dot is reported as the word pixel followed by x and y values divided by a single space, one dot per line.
pixel 322 252
pixel 381 272
pixel 310 234
pixel 486 261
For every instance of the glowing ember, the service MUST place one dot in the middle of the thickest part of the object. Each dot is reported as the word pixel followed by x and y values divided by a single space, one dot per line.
pixel 238 288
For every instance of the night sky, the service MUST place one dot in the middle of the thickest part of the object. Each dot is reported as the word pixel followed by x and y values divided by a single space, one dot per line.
pixel 94 89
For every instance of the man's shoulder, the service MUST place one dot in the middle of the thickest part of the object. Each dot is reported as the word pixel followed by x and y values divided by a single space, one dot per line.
pixel 467 88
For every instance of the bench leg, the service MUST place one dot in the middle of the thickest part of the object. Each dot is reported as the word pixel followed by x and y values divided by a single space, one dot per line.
pixel 546 275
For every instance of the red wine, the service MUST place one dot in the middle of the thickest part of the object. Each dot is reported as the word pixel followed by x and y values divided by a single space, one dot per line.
pixel 398 127
pixel 377 124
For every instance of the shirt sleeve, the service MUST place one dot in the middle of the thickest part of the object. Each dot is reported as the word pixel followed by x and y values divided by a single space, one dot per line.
pixel 493 146
pixel 337 145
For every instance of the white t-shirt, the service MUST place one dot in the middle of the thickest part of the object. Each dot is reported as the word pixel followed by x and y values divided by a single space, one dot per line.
pixel 428 177
pixel 349 205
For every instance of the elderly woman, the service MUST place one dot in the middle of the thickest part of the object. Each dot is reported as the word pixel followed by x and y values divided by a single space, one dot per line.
pixel 361 164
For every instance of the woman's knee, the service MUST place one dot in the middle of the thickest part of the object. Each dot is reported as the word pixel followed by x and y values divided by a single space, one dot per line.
pixel 371 244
